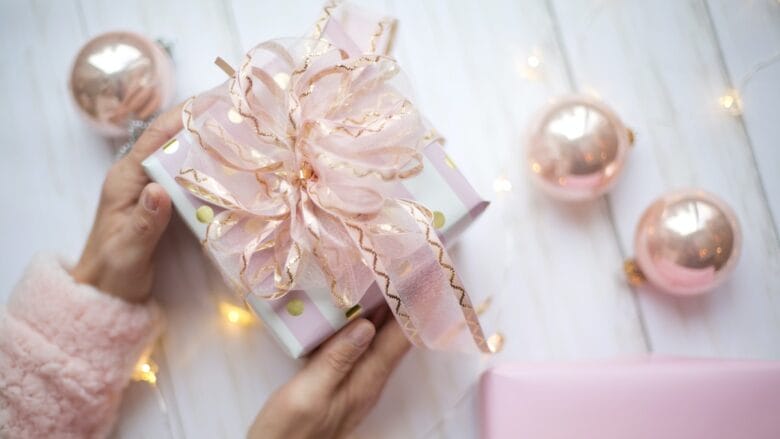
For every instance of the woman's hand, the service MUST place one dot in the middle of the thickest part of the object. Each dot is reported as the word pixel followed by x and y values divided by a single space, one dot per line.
pixel 130 219
pixel 339 385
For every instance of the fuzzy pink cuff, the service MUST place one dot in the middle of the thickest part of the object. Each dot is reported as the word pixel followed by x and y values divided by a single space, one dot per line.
pixel 66 352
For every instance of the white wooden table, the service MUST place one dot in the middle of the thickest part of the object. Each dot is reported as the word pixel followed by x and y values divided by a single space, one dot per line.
pixel 554 272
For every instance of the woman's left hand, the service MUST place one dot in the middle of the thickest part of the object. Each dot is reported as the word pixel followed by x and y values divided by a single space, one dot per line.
pixel 130 219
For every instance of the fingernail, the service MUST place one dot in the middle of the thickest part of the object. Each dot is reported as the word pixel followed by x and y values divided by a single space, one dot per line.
pixel 149 201
pixel 361 333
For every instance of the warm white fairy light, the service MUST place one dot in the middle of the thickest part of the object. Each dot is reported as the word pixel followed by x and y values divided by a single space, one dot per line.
pixel 533 61
pixel 236 315
pixel 531 66
pixel 502 184
pixel 731 100
pixel 145 370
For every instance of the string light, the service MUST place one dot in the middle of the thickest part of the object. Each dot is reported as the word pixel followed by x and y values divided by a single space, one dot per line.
pixel 534 61
pixel 236 315
pixel 146 371
pixel 502 184
pixel 731 100
pixel 531 67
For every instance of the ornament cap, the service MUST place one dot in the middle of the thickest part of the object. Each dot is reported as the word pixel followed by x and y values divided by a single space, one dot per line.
pixel 634 274
pixel 631 136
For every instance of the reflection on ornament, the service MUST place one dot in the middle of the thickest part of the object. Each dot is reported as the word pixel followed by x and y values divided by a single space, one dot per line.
pixel 119 77
pixel 576 148
pixel 686 242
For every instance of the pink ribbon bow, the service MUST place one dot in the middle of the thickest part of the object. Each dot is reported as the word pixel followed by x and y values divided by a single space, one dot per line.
pixel 303 148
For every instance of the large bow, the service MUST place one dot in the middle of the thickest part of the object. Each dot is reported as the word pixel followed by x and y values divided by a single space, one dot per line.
pixel 304 148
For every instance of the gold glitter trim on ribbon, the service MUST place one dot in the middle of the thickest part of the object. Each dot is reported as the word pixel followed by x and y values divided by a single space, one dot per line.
pixel 319 26
pixel 387 289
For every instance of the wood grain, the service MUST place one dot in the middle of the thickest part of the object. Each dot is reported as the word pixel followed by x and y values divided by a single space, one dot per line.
pixel 553 271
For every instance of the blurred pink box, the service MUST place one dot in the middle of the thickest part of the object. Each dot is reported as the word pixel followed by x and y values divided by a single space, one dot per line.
pixel 637 399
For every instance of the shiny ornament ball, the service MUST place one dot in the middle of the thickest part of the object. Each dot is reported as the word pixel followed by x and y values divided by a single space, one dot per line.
pixel 576 148
pixel 118 77
pixel 687 242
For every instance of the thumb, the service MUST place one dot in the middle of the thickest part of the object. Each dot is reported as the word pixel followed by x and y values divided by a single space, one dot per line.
pixel 336 358
pixel 148 220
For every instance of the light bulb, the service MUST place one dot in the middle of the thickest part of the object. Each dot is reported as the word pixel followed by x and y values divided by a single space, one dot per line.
pixel 236 315
pixel 731 102
pixel 502 184
pixel 145 370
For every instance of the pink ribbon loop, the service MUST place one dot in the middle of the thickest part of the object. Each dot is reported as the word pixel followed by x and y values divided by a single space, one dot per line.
pixel 302 148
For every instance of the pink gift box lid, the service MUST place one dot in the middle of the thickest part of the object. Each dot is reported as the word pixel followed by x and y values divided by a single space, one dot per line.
pixel 645 398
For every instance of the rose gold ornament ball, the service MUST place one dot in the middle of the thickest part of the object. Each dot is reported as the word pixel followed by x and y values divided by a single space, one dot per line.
pixel 576 148
pixel 687 242
pixel 118 77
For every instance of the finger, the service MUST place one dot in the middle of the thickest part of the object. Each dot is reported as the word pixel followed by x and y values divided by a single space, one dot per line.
pixel 160 131
pixel 390 345
pixel 391 342
pixel 364 386
pixel 336 358
pixel 379 316
pixel 148 220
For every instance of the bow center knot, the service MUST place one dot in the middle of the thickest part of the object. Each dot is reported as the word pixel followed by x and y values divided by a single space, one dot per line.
pixel 305 173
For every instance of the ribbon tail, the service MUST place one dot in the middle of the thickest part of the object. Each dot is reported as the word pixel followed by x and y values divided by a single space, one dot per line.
pixel 361 237
pixel 420 284
pixel 469 318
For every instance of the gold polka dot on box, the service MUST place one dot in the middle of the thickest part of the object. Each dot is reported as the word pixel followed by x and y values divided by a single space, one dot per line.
pixel 438 220
pixel 294 307
pixel 204 214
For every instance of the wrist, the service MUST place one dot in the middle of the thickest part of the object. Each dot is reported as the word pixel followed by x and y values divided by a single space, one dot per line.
pixel 89 271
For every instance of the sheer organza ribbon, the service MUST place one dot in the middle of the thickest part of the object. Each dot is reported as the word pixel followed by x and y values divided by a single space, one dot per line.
pixel 303 148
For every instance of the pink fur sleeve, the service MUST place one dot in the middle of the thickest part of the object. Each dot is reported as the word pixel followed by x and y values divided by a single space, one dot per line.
pixel 66 352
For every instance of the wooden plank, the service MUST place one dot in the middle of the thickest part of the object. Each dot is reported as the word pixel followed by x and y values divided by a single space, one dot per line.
pixel 749 35
pixel 52 165
pixel 659 66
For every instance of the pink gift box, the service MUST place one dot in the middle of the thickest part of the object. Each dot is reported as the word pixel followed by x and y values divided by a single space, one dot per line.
pixel 651 398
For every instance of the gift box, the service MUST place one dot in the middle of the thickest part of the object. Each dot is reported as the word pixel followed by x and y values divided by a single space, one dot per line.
pixel 648 398
pixel 301 316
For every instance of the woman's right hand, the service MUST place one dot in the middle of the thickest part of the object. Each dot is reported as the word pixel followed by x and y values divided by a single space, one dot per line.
pixel 339 385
